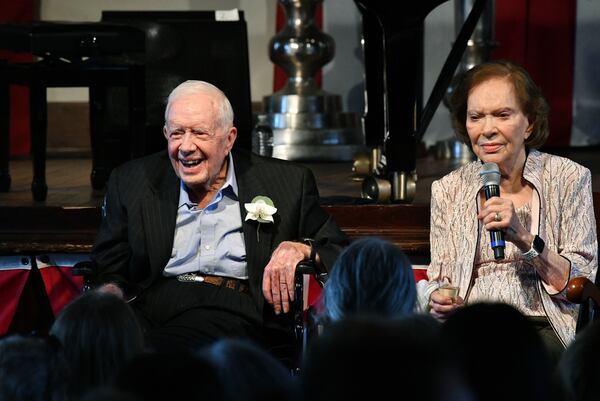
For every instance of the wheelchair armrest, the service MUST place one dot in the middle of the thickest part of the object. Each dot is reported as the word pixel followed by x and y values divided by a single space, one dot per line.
pixel 87 269
pixel 580 289
pixel 305 266
pixel 308 266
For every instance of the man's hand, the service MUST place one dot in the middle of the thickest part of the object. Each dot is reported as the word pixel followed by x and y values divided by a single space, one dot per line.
pixel 278 277
pixel 111 288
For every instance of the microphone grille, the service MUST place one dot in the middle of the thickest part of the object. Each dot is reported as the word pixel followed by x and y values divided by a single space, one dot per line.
pixel 490 174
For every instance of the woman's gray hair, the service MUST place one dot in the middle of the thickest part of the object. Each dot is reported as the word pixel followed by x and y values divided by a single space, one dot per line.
pixel 191 87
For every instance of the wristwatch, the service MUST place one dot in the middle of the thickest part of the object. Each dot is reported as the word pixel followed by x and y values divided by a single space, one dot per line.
pixel 537 247
pixel 313 250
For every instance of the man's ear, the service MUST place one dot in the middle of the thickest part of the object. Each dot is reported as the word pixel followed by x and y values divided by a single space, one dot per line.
pixel 165 133
pixel 231 137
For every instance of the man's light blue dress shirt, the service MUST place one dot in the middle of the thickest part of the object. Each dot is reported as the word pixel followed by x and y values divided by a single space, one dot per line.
pixel 210 240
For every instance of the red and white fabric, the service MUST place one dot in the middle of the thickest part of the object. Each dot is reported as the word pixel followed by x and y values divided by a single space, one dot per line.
pixel 55 269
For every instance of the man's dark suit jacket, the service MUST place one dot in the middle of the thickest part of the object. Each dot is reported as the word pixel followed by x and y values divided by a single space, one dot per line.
pixel 136 235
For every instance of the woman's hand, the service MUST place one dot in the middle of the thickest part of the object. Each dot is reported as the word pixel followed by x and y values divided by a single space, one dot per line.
pixel 441 306
pixel 499 214
pixel 552 268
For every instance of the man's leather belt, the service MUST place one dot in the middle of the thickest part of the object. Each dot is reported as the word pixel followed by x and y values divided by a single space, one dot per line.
pixel 219 281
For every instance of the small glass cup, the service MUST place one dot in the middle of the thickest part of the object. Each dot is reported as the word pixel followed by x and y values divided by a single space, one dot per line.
pixel 450 291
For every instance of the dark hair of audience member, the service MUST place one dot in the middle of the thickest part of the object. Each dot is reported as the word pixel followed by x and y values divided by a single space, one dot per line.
pixel 32 369
pixel 248 372
pixel 578 366
pixel 374 358
pixel 161 376
pixel 499 353
pixel 99 333
pixel 371 276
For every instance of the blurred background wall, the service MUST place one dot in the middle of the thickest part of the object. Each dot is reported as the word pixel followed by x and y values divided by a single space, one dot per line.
pixel 534 28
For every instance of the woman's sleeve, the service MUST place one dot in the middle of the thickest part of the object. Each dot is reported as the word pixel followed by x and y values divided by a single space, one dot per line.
pixel 578 242
pixel 438 243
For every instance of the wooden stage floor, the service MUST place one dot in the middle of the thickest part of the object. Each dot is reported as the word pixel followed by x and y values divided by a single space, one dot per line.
pixel 69 180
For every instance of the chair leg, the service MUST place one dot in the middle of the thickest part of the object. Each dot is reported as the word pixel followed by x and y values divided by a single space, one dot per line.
pixel 100 169
pixel 39 120
pixel 4 134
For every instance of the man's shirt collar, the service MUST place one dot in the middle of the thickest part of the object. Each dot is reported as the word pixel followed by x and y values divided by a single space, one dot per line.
pixel 229 188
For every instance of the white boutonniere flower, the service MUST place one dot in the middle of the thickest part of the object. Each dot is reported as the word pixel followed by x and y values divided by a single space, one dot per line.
pixel 260 209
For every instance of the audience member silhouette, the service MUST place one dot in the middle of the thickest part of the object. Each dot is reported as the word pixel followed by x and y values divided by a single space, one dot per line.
pixel 578 367
pixel 248 372
pixel 374 358
pixel 109 393
pixel 158 376
pixel 499 352
pixel 370 277
pixel 32 369
pixel 100 334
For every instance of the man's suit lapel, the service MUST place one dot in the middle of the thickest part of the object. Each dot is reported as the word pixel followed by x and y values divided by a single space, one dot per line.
pixel 258 246
pixel 159 214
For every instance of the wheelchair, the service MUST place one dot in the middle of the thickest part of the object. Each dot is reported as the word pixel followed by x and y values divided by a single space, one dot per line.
pixel 309 281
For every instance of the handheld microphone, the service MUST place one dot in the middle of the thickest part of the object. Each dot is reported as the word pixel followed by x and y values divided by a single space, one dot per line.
pixel 490 177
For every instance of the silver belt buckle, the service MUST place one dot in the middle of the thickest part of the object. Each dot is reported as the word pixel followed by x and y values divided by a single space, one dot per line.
pixel 190 278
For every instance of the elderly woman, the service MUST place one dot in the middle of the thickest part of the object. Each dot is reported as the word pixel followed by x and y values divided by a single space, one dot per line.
pixel 544 209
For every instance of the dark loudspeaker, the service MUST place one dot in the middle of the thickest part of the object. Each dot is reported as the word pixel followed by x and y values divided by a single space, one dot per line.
pixel 182 45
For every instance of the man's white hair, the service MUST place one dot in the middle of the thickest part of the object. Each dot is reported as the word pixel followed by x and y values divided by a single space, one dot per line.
pixel 190 87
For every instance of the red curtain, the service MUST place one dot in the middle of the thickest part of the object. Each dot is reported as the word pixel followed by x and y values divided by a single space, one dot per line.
pixel 18 11
pixel 540 35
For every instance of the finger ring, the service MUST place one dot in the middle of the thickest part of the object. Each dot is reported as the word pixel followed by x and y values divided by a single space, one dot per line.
pixel 498 217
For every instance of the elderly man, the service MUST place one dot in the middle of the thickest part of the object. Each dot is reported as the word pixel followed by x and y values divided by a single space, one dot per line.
pixel 202 235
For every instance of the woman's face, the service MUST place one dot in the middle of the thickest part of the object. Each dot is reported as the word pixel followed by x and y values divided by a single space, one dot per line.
pixel 496 124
